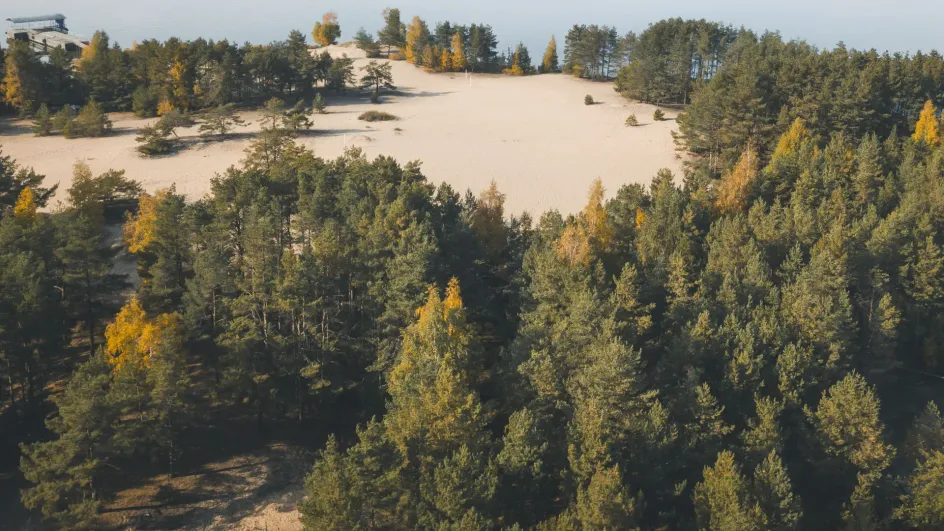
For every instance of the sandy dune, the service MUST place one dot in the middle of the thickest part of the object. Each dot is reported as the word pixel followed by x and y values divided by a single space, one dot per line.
pixel 533 135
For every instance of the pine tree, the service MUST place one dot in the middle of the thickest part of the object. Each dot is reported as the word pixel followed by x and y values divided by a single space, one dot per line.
pixel 774 493
pixel 90 287
pixel 297 118
pixel 377 76
pixel 847 423
pixel 101 198
pixel 927 130
pixel 333 503
pixel 606 502
pixel 42 121
pixel 22 77
pixel 220 120
pixel 549 64
pixel 723 501
pixel 488 221
pixel 459 489
pixel 366 43
pixel 763 435
pixel 922 505
pixel 926 434
pixel 527 481
pixel 392 33
pixel 319 104
pixel 65 472
pixel 13 179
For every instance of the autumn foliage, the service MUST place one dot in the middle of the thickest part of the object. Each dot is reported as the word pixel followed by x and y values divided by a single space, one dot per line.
pixel 928 128
pixel 25 207
pixel 134 339
pixel 735 186
pixel 328 31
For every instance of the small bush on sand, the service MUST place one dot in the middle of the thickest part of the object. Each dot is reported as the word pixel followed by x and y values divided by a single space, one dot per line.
pixel 658 115
pixel 377 116
pixel 90 122
pixel 63 119
pixel 154 140
pixel 319 104
pixel 631 121
pixel 588 100
pixel 42 121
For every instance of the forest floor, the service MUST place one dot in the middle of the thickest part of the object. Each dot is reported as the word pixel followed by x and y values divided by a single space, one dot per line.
pixel 533 135
pixel 259 490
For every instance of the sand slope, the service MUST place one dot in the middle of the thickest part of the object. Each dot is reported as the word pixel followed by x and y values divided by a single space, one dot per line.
pixel 533 135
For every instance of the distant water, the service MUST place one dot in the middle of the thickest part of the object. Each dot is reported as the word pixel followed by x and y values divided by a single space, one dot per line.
pixel 905 25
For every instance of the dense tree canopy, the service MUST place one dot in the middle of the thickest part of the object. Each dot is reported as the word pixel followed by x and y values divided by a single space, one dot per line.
pixel 753 344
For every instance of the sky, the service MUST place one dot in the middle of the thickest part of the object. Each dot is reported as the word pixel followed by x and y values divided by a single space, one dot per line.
pixel 903 25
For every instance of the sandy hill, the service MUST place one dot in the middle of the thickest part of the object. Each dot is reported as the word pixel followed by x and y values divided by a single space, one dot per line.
pixel 533 135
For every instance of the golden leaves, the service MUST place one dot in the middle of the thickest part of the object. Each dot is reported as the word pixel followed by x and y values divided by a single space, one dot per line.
pixel 590 232
pixel 927 129
pixel 458 53
pixel 139 229
pixel 791 141
pixel 133 338
pixel 735 186
pixel 25 208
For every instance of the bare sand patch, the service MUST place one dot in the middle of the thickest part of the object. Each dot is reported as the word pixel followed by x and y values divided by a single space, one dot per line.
pixel 533 135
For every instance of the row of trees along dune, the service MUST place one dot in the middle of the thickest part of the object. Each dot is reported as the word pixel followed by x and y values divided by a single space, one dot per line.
pixel 154 77
pixel 753 345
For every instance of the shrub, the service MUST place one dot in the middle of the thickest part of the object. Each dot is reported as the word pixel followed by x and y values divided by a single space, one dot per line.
pixel 63 119
pixel 588 100
pixel 90 122
pixel 220 120
pixel 42 121
pixel 396 56
pixel 144 101
pixel 377 116
pixel 631 121
pixel 658 115
pixel 319 104
pixel 154 140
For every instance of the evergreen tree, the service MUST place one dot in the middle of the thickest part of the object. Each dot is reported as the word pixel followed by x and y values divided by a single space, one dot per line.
pixel 22 79
pixel 42 121
pixel 723 501
pixel 923 503
pixel 365 42
pixel 377 75
pixel 392 33
pixel 774 493
pixel 220 120
pixel 66 471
